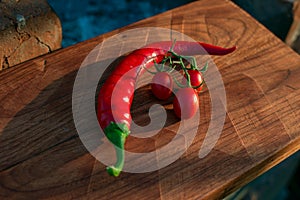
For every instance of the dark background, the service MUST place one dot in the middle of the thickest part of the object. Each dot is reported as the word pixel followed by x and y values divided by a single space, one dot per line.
pixel 84 19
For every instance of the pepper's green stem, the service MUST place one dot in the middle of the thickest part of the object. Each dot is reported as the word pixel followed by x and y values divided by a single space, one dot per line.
pixel 117 134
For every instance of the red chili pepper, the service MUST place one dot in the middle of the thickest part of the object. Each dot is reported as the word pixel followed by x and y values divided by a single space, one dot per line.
pixel 114 113
pixel 193 48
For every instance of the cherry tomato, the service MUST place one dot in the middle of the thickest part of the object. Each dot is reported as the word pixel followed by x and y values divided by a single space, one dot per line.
pixel 162 85
pixel 186 103
pixel 196 79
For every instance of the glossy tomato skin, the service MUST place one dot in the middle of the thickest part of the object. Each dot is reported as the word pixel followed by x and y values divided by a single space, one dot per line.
pixel 161 85
pixel 196 79
pixel 186 103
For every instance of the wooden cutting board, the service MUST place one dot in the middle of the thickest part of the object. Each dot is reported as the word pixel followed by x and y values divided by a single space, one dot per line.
pixel 41 155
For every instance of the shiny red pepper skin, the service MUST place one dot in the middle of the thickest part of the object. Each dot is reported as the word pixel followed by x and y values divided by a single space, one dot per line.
pixel 115 111
pixel 118 109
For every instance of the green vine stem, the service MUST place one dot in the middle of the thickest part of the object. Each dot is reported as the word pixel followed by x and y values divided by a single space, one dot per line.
pixel 204 68
pixel 174 59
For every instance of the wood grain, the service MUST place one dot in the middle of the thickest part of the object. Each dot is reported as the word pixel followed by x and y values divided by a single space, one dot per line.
pixel 42 156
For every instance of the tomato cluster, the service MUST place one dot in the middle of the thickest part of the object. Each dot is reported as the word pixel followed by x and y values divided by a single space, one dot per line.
pixel 186 101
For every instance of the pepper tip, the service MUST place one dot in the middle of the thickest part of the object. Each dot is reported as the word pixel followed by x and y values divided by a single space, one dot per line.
pixel 232 49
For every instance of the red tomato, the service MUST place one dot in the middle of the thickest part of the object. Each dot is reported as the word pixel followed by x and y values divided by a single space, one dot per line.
pixel 162 85
pixel 186 103
pixel 196 79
